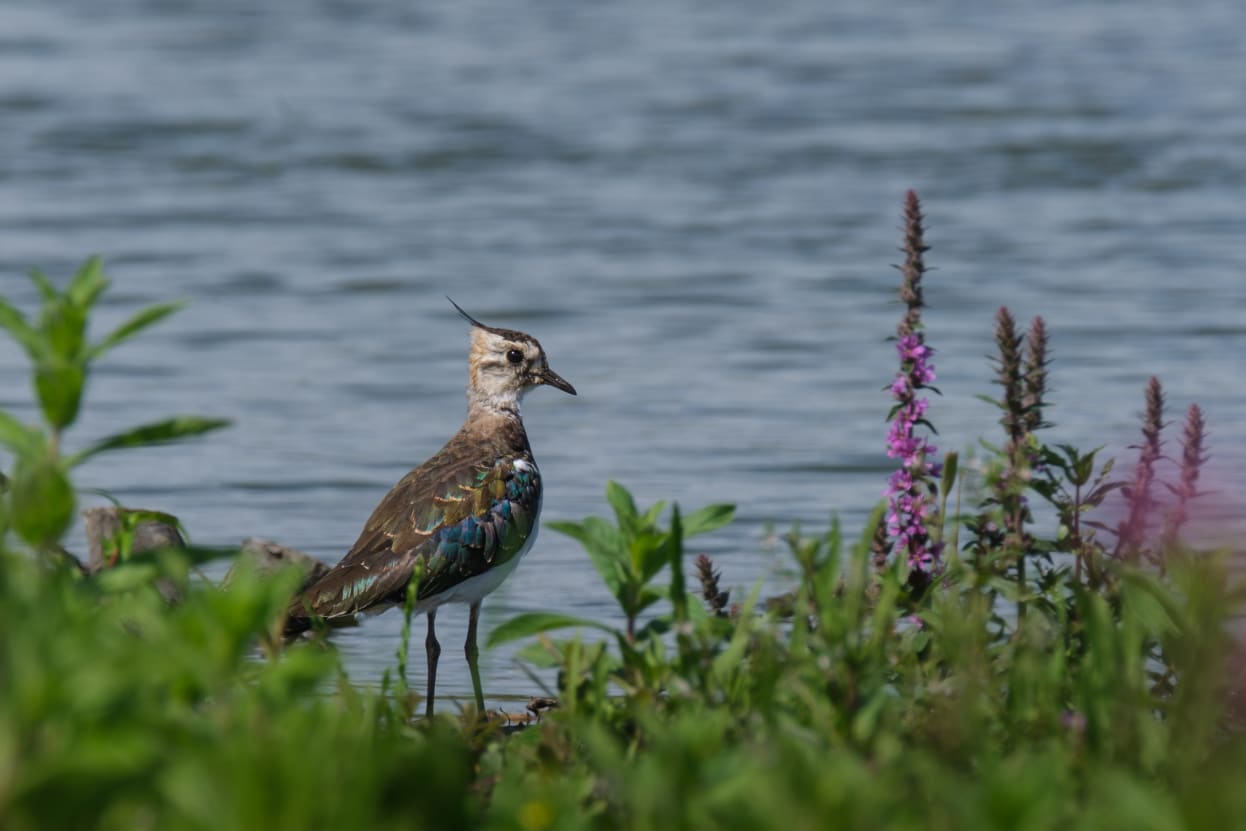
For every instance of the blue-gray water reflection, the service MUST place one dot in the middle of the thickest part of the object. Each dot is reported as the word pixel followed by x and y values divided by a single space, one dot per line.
pixel 692 205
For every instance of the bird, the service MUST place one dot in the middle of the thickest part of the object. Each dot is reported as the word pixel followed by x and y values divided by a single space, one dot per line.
pixel 463 519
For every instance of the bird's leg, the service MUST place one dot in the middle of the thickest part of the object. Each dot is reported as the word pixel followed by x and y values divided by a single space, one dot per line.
pixel 473 653
pixel 434 652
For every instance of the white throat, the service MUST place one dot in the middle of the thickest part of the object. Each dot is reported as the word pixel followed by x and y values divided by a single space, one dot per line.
pixel 499 401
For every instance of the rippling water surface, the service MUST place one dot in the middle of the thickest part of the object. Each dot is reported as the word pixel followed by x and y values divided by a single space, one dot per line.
pixel 693 205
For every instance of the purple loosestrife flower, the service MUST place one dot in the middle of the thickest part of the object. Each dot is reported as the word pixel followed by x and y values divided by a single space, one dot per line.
pixel 716 600
pixel 911 490
pixel 1140 503
pixel 1034 376
pixel 1192 459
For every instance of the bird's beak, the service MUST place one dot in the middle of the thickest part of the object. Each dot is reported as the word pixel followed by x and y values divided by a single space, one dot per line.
pixel 549 376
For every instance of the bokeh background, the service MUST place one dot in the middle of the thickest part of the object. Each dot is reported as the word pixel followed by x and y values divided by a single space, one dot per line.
pixel 693 205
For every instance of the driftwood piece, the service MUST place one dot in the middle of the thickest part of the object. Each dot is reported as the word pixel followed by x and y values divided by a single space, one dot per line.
pixel 268 556
pixel 106 529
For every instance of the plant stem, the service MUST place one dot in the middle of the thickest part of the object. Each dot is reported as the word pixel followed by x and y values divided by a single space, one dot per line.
pixel 1075 529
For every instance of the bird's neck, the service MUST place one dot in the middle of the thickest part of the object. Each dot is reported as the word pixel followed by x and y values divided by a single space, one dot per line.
pixel 502 431
pixel 484 404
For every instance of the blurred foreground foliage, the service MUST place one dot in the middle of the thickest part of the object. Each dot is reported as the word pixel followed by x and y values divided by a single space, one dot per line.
pixel 853 702
pixel 118 710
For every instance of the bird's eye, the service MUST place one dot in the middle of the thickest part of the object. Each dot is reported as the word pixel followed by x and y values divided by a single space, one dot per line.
pixel 514 356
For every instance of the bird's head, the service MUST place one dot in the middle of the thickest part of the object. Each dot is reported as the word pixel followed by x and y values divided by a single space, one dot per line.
pixel 503 365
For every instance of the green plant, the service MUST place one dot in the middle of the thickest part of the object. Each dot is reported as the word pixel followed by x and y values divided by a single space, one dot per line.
pixel 40 499
pixel 1035 681
pixel 627 556
pixel 119 709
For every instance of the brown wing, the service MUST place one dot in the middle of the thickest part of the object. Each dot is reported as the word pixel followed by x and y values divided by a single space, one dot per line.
pixel 458 514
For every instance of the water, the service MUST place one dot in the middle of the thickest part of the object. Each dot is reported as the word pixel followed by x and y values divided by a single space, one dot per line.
pixel 694 206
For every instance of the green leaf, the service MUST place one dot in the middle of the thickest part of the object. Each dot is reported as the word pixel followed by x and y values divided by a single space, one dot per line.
pixel 650 517
pixel 59 387
pixel 861 548
pixel 197 555
pixel 1083 467
pixel 42 502
pixel 624 506
pixel 648 554
pixel 647 596
pixel 533 623
pixel 127 577
pixel 137 323
pixel 951 463
pixel 675 547
pixel 14 322
pixel 708 518
pixel 87 284
pixel 64 328
pixel 604 545
pixel 41 281
pixel 160 432
pixel 655 628
pixel 731 659
pixel 539 654
pixel 594 533
pixel 19 438
pixel 1143 600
